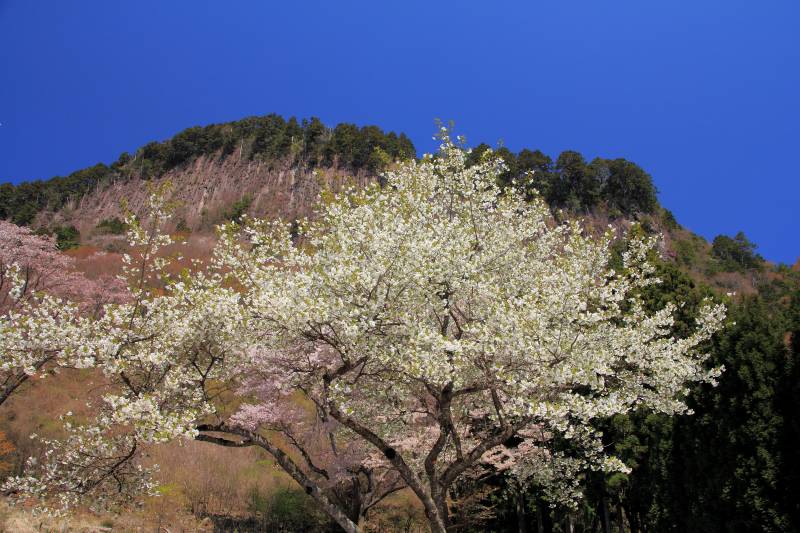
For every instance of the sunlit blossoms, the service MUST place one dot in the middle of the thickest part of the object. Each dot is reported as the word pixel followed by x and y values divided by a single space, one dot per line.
pixel 437 325
pixel 45 306
pixel 453 316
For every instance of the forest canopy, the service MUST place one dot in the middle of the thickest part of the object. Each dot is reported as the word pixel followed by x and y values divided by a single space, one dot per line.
pixel 568 182
pixel 269 138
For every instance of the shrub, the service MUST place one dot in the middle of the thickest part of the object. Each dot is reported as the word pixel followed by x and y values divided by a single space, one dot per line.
pixel 67 237
pixel 286 509
pixel 182 227
pixel 111 226
pixel 238 208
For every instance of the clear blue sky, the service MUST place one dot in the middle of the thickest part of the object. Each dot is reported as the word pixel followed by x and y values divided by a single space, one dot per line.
pixel 703 94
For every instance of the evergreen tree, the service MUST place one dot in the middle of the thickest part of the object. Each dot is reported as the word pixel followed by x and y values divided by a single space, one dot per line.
pixel 726 458
pixel 788 402
pixel 737 253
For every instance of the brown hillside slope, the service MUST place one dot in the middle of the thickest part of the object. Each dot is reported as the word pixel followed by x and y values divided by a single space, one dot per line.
pixel 206 189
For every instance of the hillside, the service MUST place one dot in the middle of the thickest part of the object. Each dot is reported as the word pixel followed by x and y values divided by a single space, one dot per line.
pixel 268 153
pixel 209 190
pixel 212 183
pixel 273 167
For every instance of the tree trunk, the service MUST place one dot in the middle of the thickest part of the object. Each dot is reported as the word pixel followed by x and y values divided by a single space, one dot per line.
pixel 545 523
pixel 522 523
pixel 606 517
pixel 633 520
pixel 436 522
pixel 442 518
pixel 435 508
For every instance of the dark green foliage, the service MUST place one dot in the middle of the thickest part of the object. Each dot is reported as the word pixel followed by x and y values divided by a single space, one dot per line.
pixel 726 459
pixel 736 253
pixel 476 154
pixel 573 184
pixel 21 203
pixel 731 466
pixel 627 187
pixel 669 221
pixel 23 214
pixel 238 208
pixel 679 288
pixel 270 138
pixel 111 226
pixel 286 509
pixel 275 140
pixel 353 148
pixel 643 440
pixel 535 170
pixel 67 237
pixel 123 159
pixel 6 197
pixel 689 251
pixel 788 407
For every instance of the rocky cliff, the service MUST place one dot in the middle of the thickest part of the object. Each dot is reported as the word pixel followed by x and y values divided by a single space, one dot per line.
pixel 206 189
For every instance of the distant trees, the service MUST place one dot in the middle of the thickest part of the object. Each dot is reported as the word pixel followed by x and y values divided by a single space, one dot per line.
pixel 269 138
pixel 731 466
pixel 238 208
pixel 67 237
pixel 20 203
pixel 572 183
pixel 737 480
pixel 275 140
pixel 568 183
pixel 737 253
pixel 111 226
pixel 42 269
pixel 789 398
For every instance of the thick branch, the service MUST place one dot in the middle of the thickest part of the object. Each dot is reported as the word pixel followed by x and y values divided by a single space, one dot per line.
pixel 224 442
pixel 408 475
pixel 15 380
pixel 287 464
pixel 459 466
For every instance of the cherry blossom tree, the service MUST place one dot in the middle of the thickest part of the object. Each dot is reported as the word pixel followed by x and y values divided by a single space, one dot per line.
pixel 42 297
pixel 452 316
pixel 169 355
pixel 436 326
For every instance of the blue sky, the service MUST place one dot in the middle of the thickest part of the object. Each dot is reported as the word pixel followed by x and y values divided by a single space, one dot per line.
pixel 702 94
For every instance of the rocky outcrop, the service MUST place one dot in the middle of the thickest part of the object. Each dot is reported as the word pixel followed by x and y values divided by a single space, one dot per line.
pixel 205 189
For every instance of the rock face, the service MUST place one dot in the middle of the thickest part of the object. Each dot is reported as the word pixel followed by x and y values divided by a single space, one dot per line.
pixel 205 189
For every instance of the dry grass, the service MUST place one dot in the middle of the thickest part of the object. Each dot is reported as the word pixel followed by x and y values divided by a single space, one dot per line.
pixel 15 520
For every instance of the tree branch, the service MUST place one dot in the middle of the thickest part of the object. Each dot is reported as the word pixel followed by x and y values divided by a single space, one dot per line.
pixel 289 466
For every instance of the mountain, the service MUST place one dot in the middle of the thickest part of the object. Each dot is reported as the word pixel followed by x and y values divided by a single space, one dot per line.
pixel 274 167
pixel 268 158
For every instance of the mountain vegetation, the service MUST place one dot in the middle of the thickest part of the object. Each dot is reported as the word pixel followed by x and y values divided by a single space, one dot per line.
pixel 573 184
pixel 269 138
pixel 729 463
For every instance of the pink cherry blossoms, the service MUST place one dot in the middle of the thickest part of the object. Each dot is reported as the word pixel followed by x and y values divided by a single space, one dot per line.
pixel 44 268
